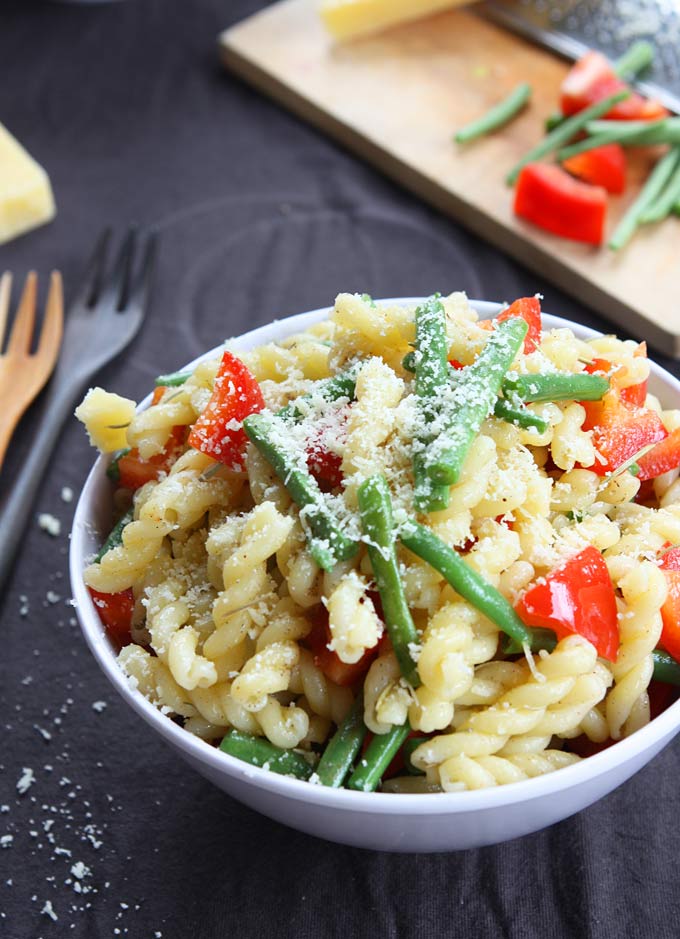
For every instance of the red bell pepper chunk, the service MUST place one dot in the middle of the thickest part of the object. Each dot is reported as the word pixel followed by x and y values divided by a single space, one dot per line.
pixel 324 464
pixel 218 432
pixel 337 671
pixel 549 197
pixel 602 166
pixel 662 458
pixel 115 612
pixel 670 611
pixel 634 395
pixel 529 309
pixel 619 431
pixel 592 79
pixel 134 472
pixel 577 597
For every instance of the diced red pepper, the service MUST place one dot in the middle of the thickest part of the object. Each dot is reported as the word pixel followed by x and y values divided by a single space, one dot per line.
pixel 324 464
pixel 115 611
pixel 218 431
pixel 592 79
pixel 602 166
pixel 529 308
pixel 662 458
pixel 549 197
pixel 134 472
pixel 633 395
pixel 619 431
pixel 670 611
pixel 337 671
pixel 577 597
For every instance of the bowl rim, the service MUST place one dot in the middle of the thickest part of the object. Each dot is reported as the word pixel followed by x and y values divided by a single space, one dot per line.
pixel 217 762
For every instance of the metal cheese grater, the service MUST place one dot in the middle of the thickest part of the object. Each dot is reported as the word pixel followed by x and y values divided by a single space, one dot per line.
pixel 573 26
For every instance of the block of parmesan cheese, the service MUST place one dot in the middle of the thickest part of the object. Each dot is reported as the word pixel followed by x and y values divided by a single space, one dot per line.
pixel 26 199
pixel 347 19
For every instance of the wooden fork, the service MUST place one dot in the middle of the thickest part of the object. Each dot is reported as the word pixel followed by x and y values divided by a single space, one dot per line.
pixel 23 374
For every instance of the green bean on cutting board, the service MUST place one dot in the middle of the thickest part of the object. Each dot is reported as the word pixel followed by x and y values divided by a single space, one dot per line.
pixel 656 133
pixel 342 750
pixel 327 542
pixel 464 580
pixel 379 754
pixel 497 116
pixel 471 400
pixel 262 753
pixel 658 179
pixel 115 536
pixel 564 132
pixel 556 387
pixel 662 207
pixel 375 508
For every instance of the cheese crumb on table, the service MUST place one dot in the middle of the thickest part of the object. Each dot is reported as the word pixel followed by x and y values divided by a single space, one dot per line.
pixel 26 199
pixel 347 19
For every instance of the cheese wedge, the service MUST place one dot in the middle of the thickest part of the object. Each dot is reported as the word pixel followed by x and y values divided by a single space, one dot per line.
pixel 26 199
pixel 347 19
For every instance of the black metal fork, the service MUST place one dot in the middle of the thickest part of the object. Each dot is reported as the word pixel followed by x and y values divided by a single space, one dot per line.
pixel 102 320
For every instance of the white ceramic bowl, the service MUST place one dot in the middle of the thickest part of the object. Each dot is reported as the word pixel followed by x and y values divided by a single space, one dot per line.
pixel 382 821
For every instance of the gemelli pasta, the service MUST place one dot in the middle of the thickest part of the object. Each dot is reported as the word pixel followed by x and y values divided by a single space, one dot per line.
pixel 407 549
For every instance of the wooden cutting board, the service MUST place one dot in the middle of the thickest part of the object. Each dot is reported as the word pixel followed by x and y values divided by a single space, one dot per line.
pixel 395 100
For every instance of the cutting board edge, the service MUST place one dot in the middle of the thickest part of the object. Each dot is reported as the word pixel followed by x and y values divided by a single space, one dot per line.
pixel 471 217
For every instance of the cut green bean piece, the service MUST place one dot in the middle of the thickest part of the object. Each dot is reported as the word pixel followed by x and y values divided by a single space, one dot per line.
pixel 539 639
pixel 562 134
pixel 342 385
pixel 663 206
pixel 466 405
pixel 464 580
pixel 173 379
pixel 519 416
pixel 669 125
pixel 556 387
pixel 115 536
pixel 327 542
pixel 634 60
pixel 409 745
pixel 666 668
pixel 554 120
pixel 659 178
pixel 497 116
pixel 262 753
pixel 656 132
pixel 375 507
pixel 113 469
pixel 341 751
pixel 428 496
pixel 379 754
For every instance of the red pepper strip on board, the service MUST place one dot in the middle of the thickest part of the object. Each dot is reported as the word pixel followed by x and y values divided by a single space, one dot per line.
pixel 115 612
pixel 577 597
pixel 218 431
pixel 553 200
pixel 619 431
pixel 603 166
pixel 593 79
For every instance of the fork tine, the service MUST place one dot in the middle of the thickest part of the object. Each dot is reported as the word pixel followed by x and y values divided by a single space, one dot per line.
pixel 89 290
pixel 5 292
pixel 53 324
pixel 24 321
pixel 140 293
pixel 118 289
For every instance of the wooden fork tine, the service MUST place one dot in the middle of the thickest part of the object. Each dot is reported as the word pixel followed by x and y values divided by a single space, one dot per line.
pixel 53 323
pixel 24 322
pixel 5 291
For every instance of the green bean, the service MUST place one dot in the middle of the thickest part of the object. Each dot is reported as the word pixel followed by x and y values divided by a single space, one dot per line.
pixel 428 496
pixel 565 132
pixel 115 536
pixel 668 124
pixel 375 507
pixel 259 752
pixel 367 298
pixel 676 208
pixel 173 379
pixel 342 385
pixel 519 416
pixel 656 132
pixel 339 755
pixel 554 120
pixel 666 668
pixel 471 400
pixel 379 754
pixel 464 580
pixel 327 542
pixel 113 469
pixel 409 745
pixel 663 206
pixel 497 116
pixel 659 177
pixel 556 387
pixel 638 57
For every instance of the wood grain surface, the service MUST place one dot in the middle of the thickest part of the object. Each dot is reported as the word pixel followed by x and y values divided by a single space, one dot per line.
pixel 396 99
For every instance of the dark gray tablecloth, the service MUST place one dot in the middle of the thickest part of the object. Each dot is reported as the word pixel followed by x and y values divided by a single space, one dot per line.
pixel 126 106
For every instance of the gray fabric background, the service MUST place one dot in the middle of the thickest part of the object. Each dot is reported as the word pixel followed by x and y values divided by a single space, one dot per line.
pixel 126 106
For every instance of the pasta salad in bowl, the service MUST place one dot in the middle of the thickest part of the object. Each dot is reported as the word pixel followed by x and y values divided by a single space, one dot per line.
pixel 382 570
